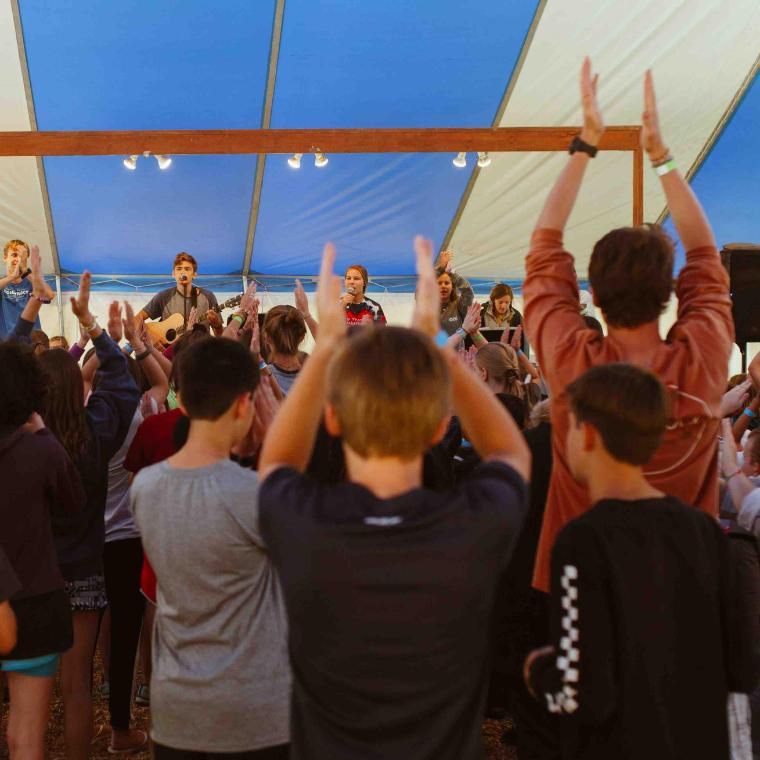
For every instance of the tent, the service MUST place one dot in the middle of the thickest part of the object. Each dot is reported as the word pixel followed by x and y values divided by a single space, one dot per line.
pixel 236 64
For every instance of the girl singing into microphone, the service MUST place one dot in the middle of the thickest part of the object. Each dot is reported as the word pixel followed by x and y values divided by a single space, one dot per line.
pixel 360 309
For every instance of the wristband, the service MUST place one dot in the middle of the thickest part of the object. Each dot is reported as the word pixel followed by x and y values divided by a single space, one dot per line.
pixel 733 474
pixel 144 355
pixel 666 168
pixel 749 413
pixel 581 146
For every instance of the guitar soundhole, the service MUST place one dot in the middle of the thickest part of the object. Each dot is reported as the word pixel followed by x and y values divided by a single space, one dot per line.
pixel 171 335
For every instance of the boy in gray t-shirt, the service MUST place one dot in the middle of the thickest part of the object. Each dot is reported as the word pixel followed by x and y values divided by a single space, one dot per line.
pixel 221 679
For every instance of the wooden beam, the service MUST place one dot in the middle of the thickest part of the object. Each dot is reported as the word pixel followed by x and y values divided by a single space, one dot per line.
pixel 243 141
pixel 638 186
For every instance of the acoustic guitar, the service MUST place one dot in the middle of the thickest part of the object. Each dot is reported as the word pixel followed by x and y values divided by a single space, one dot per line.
pixel 171 328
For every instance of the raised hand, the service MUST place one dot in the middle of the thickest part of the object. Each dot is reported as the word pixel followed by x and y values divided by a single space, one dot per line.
pixel 39 286
pixel 735 399
pixel 114 327
pixel 81 304
pixel 248 297
pixel 302 302
pixel 471 321
pixel 427 305
pixel 593 124
pixel 651 139
pixel 332 320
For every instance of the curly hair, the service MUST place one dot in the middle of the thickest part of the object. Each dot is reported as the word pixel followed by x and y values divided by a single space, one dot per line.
pixel 23 384
pixel 64 405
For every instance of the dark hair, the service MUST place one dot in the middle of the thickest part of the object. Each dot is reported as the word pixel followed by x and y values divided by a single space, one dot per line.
pixel 515 406
pixel 190 338
pixel 184 256
pixel 593 324
pixel 631 274
pixel 40 340
pixel 284 328
pixel 64 404
pixel 212 374
pixel 23 384
pixel 626 404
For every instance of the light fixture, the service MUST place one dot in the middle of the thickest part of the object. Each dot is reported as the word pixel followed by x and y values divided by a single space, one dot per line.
pixel 483 159
pixel 131 162
pixel 164 162
pixel 320 160
pixel 460 161
pixel 294 162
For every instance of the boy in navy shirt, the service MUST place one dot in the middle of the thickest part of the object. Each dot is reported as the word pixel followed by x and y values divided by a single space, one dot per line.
pixel 389 586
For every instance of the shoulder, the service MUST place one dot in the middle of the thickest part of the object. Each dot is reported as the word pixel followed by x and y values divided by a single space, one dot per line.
pixel 498 484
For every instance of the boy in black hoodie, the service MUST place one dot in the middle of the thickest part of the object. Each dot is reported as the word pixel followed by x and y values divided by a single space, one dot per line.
pixel 648 625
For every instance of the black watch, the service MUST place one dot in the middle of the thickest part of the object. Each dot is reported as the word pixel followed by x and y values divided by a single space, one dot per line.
pixel 578 146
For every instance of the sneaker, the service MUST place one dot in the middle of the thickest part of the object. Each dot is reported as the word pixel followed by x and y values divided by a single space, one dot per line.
pixel 142 697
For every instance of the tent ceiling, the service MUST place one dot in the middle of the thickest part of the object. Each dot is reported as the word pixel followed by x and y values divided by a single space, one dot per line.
pixel 189 65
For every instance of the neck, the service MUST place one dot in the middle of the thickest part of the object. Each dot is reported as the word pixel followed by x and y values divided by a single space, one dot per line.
pixel 611 479
pixel 385 477
pixel 207 443
pixel 283 361
pixel 637 340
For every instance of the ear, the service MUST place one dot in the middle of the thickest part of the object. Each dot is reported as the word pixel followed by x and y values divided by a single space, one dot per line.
pixel 332 423
pixel 440 431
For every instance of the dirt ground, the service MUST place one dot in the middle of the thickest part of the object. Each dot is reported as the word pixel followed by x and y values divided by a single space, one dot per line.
pixel 492 730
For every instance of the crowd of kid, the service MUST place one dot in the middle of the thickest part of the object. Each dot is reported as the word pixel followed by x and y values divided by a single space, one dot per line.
pixel 359 553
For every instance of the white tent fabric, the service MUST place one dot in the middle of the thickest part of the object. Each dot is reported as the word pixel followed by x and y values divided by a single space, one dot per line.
pixel 22 210
pixel 700 53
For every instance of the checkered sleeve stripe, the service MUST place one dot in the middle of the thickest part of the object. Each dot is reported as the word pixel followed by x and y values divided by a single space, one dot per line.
pixel 568 658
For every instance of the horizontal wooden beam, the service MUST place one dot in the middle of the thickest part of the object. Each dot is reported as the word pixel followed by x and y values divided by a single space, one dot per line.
pixel 243 141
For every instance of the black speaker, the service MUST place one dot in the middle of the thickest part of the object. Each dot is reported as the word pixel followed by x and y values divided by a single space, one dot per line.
pixel 742 260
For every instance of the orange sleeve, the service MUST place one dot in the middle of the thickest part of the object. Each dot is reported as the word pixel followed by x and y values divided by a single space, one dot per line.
pixel 705 323
pixel 553 321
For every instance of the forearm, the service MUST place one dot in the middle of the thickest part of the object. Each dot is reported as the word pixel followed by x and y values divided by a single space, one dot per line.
pixel 559 204
pixel 739 486
pixel 490 428
pixel 301 412
pixel 688 215
pixel 313 326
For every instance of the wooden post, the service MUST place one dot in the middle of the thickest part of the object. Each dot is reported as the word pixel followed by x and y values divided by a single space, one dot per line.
pixel 638 186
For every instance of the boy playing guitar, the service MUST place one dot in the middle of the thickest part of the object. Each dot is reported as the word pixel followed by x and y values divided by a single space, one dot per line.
pixel 183 297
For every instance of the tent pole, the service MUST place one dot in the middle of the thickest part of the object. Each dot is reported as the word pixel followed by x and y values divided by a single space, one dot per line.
pixel 638 186
pixel 60 304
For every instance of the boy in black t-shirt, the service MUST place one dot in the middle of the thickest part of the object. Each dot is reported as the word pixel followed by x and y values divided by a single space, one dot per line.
pixel 649 624
pixel 389 586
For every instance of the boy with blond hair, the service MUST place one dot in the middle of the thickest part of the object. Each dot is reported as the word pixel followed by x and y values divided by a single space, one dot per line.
pixel 389 586
pixel 15 288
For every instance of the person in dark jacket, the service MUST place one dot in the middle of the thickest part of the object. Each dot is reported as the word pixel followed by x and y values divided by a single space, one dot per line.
pixel 91 435
pixel 39 481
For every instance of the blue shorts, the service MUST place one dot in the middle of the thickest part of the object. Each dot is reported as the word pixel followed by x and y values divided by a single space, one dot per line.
pixel 42 667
